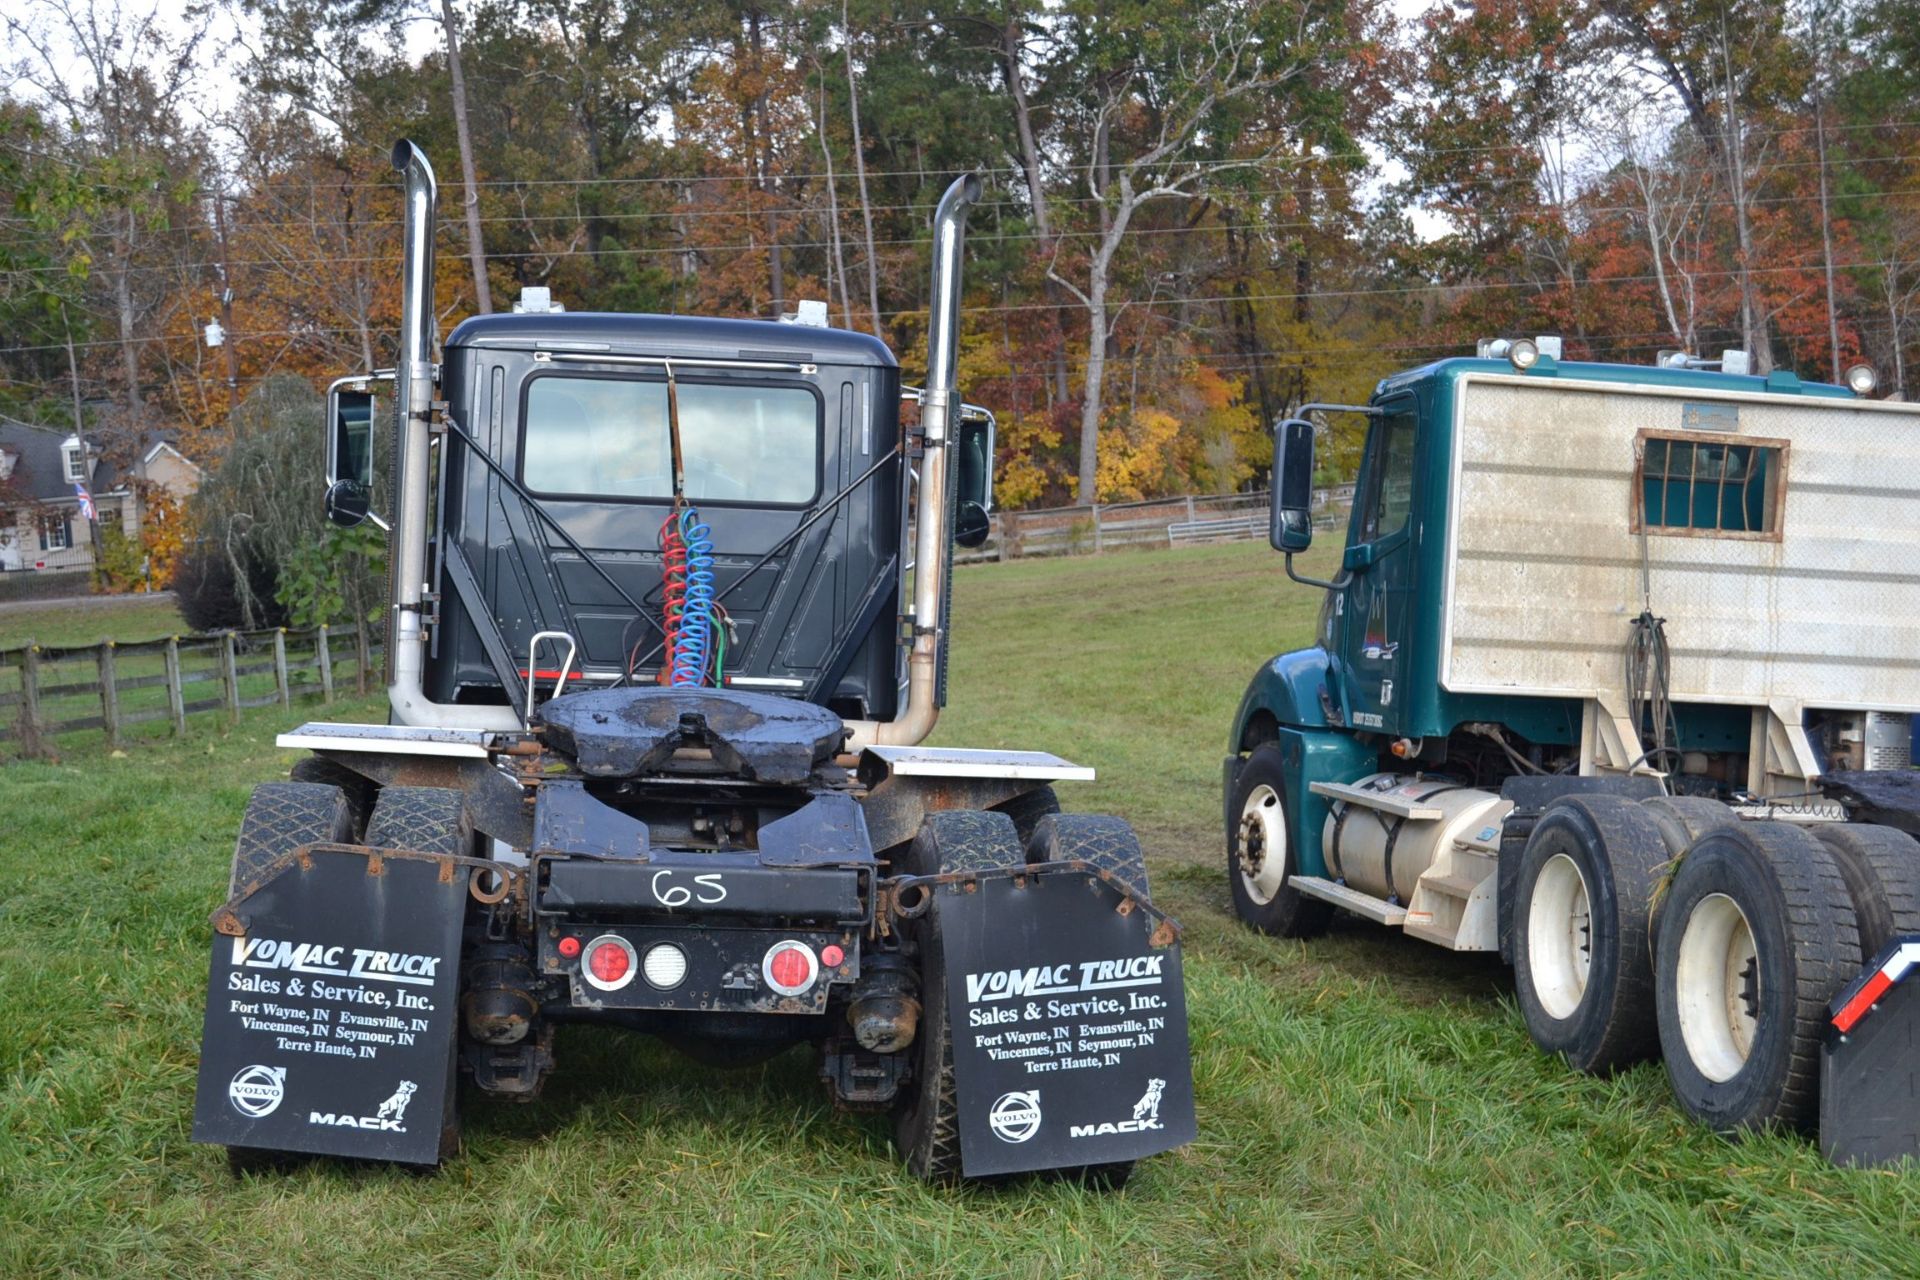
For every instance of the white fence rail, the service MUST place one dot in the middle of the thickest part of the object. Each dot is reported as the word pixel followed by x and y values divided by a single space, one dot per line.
pixel 1160 522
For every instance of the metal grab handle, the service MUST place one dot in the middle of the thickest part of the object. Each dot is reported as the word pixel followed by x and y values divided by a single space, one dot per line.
pixel 533 666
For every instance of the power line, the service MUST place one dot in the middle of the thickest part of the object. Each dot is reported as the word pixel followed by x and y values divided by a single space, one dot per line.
pixel 1488 286
pixel 448 232
pixel 579 217
pixel 1016 174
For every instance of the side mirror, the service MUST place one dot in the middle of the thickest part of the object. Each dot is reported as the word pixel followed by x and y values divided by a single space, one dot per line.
pixel 971 474
pixel 971 525
pixel 350 413
pixel 347 503
pixel 1292 486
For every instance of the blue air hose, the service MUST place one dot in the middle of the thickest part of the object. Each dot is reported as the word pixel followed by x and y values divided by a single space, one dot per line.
pixel 693 651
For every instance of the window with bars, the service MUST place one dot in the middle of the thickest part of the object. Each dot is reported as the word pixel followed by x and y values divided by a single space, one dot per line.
pixel 1712 486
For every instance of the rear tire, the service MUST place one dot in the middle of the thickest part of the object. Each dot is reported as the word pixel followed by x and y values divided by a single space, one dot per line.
pixel 1582 965
pixel 357 788
pixel 926 1120
pixel 423 819
pixel 1107 844
pixel 1260 858
pixel 1684 819
pixel 1881 866
pixel 1756 936
pixel 281 817
pixel 1028 808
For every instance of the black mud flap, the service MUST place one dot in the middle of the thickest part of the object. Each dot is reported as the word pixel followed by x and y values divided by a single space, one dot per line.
pixel 1069 1021
pixel 1870 1068
pixel 332 1007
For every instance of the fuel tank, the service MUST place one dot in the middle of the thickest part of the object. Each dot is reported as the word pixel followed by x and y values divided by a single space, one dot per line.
pixel 1383 853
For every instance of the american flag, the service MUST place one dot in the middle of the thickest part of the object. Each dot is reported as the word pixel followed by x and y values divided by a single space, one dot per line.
pixel 86 501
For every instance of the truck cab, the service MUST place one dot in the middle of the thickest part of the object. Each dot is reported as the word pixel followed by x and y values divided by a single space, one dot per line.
pixel 1683 588
pixel 669 608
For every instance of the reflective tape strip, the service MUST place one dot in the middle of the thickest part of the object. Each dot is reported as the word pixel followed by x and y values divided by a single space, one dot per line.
pixel 1896 968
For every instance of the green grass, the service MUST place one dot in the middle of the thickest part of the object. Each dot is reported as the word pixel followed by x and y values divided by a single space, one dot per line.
pixel 1368 1105
pixel 59 626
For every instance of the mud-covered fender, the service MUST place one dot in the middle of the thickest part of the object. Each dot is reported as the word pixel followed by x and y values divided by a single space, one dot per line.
pixel 1284 704
pixel 1284 691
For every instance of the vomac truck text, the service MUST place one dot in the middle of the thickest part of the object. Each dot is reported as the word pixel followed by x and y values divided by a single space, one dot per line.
pixel 668 614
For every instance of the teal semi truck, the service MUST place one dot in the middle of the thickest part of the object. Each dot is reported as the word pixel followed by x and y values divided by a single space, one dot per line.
pixel 1615 676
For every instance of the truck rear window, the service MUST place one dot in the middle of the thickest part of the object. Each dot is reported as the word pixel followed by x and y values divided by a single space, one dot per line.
pixel 607 438
pixel 1713 486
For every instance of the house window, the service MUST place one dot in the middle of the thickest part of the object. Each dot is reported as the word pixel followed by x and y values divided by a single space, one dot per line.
pixel 56 535
pixel 76 472
pixel 1707 485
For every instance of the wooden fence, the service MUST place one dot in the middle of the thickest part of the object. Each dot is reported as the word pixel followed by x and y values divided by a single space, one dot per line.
pixel 1088 530
pixel 116 689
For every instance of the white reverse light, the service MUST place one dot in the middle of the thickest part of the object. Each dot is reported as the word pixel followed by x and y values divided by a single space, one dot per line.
pixel 665 966
pixel 1861 379
pixel 1523 354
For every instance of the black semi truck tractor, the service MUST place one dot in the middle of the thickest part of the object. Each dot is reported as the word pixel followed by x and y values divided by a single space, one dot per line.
pixel 668 619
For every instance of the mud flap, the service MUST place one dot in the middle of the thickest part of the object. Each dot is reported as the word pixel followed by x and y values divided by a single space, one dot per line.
pixel 332 1007
pixel 1870 1067
pixel 1069 1022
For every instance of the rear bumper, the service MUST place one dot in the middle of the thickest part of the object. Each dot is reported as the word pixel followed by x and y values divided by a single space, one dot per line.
pixel 719 916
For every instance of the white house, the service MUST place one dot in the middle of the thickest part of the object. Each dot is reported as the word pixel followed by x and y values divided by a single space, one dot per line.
pixel 41 524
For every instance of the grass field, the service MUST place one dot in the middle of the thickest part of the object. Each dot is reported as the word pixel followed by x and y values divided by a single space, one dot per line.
pixel 124 620
pixel 1368 1105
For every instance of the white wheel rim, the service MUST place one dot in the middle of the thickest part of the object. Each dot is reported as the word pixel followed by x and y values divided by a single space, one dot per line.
pixel 1717 987
pixel 1263 844
pixel 1560 936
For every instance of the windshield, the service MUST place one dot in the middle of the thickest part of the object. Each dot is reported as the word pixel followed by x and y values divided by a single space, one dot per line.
pixel 607 438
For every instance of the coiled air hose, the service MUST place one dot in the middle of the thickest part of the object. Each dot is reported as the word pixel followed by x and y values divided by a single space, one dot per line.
pixel 692 647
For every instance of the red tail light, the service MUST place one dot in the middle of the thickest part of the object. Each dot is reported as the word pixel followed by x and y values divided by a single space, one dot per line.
pixel 610 962
pixel 790 967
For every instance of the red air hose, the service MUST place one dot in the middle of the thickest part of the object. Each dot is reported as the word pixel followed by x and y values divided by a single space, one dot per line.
pixel 673 563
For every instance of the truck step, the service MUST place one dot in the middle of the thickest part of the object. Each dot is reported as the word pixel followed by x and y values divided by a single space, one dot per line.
pixel 1385 801
pixel 1375 909
pixel 1454 886
pixel 1429 931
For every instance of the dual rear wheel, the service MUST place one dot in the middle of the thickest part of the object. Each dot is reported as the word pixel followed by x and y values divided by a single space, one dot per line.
pixel 1671 927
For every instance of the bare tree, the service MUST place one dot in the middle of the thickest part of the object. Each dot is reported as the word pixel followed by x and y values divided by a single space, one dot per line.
pixel 860 172
pixel 120 80
pixel 1226 62
pixel 476 252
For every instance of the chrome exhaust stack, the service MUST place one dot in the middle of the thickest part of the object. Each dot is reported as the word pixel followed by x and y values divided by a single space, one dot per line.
pixel 939 417
pixel 413 394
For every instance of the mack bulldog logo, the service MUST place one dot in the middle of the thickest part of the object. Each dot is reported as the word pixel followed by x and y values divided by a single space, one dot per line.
pixel 387 1119
pixel 1016 1116
pixel 395 1108
pixel 257 1090
pixel 1146 1115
